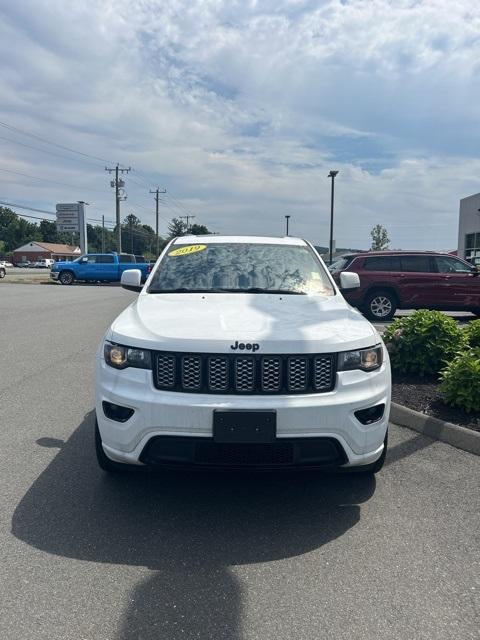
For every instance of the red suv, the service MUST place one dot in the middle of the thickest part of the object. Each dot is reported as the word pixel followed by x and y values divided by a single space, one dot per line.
pixel 391 280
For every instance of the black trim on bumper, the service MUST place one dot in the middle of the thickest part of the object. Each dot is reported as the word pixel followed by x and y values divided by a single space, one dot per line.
pixel 284 453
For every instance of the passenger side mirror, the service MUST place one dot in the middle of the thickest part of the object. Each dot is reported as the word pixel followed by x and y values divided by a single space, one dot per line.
pixel 84 260
pixel 132 280
pixel 349 281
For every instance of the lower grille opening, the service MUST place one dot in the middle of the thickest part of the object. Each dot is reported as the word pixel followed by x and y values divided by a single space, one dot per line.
pixel 278 453
pixel 283 453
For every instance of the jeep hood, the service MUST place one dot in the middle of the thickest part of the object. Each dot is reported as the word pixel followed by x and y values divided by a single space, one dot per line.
pixel 209 322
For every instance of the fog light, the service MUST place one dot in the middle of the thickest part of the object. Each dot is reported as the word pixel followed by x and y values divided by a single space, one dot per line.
pixel 117 412
pixel 372 414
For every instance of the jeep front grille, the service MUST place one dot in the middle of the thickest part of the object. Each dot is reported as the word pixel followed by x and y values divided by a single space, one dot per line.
pixel 244 374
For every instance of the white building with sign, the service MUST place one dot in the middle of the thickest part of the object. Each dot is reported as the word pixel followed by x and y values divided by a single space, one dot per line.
pixel 469 229
pixel 71 218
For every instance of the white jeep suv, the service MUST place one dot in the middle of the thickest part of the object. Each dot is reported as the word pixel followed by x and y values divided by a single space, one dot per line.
pixel 241 352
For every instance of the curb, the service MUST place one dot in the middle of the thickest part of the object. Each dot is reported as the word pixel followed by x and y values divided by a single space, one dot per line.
pixel 452 434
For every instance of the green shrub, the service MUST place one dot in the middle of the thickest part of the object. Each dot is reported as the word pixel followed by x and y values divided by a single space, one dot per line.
pixel 472 331
pixel 460 381
pixel 422 342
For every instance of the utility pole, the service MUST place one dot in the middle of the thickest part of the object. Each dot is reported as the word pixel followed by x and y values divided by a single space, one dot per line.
pixel 119 195
pixel 332 175
pixel 187 218
pixel 287 219
pixel 130 224
pixel 157 192
pixel 103 234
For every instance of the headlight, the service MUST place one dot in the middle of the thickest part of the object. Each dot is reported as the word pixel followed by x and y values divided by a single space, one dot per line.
pixel 121 357
pixel 364 359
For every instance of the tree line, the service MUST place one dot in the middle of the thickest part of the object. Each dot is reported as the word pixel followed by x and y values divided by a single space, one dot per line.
pixel 137 238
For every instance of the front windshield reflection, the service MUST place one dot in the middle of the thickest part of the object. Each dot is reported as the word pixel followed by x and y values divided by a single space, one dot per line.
pixel 239 267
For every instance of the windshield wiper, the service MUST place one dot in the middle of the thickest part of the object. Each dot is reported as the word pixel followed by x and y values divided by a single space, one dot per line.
pixel 262 290
pixel 229 290
pixel 185 290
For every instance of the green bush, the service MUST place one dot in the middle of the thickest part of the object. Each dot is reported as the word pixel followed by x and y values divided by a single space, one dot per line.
pixel 423 342
pixel 472 332
pixel 460 381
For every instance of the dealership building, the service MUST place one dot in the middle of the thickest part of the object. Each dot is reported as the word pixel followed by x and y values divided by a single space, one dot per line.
pixel 38 250
pixel 469 229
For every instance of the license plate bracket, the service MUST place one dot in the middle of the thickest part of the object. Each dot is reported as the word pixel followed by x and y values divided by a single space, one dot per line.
pixel 244 426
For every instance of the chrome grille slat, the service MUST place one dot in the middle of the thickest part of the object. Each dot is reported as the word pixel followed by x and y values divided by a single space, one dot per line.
pixel 166 365
pixel 192 372
pixel 218 373
pixel 322 372
pixel 244 374
pixel 271 373
pixel 297 372
pixel 229 373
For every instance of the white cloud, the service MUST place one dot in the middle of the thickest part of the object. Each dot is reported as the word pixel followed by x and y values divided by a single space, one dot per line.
pixel 241 108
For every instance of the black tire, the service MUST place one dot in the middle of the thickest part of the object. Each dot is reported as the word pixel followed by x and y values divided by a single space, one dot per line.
pixel 380 306
pixel 66 277
pixel 3 273
pixel 103 460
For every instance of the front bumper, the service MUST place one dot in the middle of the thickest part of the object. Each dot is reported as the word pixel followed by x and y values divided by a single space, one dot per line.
pixel 182 415
pixel 54 275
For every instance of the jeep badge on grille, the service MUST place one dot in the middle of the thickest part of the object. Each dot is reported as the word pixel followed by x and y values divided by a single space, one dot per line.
pixel 248 346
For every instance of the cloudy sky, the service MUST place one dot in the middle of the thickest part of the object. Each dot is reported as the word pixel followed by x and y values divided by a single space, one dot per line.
pixel 240 108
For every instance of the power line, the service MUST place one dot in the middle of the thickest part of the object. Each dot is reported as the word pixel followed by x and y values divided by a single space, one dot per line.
pixel 188 218
pixel 20 206
pixel 63 184
pixel 176 203
pixel 54 144
pixel 29 146
pixel 138 232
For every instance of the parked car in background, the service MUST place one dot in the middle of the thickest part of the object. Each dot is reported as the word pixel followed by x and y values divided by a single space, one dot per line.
pixel 45 263
pixel 391 280
pixel 23 265
pixel 97 267
pixel 5 264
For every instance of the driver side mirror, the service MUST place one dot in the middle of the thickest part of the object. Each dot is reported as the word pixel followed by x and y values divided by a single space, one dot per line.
pixel 349 281
pixel 84 260
pixel 132 280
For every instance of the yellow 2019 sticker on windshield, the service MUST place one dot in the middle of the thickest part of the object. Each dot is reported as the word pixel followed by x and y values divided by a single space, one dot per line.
pixel 185 251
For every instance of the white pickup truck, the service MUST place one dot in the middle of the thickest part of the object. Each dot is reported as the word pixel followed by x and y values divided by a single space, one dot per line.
pixel 241 352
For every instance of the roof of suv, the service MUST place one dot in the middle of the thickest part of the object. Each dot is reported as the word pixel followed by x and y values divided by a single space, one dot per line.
pixel 395 253
pixel 214 239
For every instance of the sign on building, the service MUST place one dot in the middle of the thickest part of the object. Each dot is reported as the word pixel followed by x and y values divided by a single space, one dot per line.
pixel 71 218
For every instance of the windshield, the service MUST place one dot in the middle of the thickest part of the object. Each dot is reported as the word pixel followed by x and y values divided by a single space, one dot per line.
pixel 339 264
pixel 239 267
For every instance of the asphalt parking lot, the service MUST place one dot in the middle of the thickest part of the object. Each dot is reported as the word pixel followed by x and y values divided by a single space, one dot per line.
pixel 169 556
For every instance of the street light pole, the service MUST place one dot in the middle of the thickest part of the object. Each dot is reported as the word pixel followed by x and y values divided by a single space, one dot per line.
pixel 287 219
pixel 332 175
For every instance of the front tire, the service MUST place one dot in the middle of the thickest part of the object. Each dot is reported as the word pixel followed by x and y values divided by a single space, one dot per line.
pixel 380 306
pixel 66 277
pixel 3 273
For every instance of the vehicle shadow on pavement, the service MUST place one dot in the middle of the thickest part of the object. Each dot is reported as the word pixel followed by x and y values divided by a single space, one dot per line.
pixel 187 528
